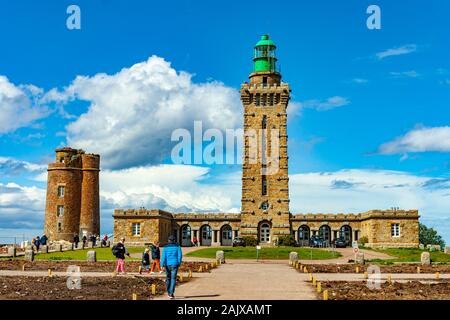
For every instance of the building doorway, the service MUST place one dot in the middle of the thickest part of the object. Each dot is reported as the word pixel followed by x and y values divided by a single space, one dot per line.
pixel 205 235
pixel 303 235
pixel 346 233
pixel 325 233
pixel 264 233
pixel 226 235
pixel 186 232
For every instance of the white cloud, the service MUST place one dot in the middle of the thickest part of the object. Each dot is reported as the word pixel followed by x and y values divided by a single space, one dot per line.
pixel 328 104
pixel 18 105
pixel 397 51
pixel 11 166
pixel 132 113
pixel 405 74
pixel 434 139
pixel 360 80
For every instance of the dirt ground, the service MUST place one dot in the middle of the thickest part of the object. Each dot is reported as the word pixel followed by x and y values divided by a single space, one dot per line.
pixel 400 268
pixel 99 288
pixel 412 290
pixel 100 266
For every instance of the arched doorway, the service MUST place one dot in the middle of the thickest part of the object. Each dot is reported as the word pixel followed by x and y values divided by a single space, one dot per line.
pixel 264 232
pixel 205 235
pixel 346 233
pixel 226 235
pixel 303 235
pixel 186 232
pixel 325 233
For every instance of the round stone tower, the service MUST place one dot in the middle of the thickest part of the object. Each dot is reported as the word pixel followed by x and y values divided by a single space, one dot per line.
pixel 90 195
pixel 62 218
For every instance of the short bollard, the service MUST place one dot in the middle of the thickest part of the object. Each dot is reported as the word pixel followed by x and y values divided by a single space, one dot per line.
pixel 50 273
pixel 357 269
pixel 134 296
pixel 190 273
pixel 319 287
pixel 200 269
pixel 418 269
pixel 325 294
pixel 206 267
pixel 305 270
pixel 366 275
pixel 438 275
pixel 310 277
pixel 314 281
pixel 153 289
pixel 23 267
pixel 180 277
pixel 389 279
pixel 140 269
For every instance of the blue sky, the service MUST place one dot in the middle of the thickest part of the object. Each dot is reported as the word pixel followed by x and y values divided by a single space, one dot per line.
pixel 371 106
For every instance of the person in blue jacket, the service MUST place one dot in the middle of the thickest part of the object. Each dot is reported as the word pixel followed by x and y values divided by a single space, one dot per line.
pixel 170 261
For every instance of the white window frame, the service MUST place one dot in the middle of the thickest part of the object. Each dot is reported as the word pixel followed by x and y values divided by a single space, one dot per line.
pixel 59 211
pixel 395 230
pixel 61 194
pixel 136 229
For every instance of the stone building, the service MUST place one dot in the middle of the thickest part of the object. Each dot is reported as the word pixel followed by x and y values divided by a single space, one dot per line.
pixel 265 212
pixel 73 200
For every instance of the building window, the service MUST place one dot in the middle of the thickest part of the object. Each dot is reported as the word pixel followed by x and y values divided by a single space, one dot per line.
pixel 59 226
pixel 264 186
pixel 265 205
pixel 61 191
pixel 264 122
pixel 271 99
pixel 257 99
pixel 61 160
pixel 136 229
pixel 264 82
pixel 395 229
pixel 60 211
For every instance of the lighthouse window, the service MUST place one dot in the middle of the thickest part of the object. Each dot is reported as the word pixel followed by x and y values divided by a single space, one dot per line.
pixel 271 99
pixel 264 186
pixel 264 122
pixel 264 99
pixel 60 211
pixel 257 99
pixel 264 82
pixel 61 191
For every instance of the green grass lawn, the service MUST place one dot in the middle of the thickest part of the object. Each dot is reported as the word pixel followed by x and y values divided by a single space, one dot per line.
pixel 274 253
pixel 410 255
pixel 102 254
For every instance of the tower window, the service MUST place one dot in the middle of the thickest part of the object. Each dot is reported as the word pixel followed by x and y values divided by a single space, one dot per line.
pixel 59 226
pixel 264 122
pixel 251 98
pixel 278 98
pixel 271 98
pixel 60 211
pixel 264 82
pixel 136 229
pixel 264 185
pixel 257 99
pixel 61 159
pixel 61 191
pixel 395 229
pixel 265 205
pixel 264 99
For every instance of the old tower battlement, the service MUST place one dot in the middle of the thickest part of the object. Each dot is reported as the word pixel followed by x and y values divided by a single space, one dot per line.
pixel 73 199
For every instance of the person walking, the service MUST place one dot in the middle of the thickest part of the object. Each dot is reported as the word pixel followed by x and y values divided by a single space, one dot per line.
pixel 76 240
pixel 171 260
pixel 145 263
pixel 37 243
pixel 120 251
pixel 44 240
pixel 156 257
pixel 84 239
pixel 105 238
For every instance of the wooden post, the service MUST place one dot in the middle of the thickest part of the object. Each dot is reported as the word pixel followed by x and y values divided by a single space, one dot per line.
pixel 200 269
pixel 23 267
pixel 389 279
pixel 206 267
pixel 314 281
pixel 310 277
pixel 134 296
pixel 438 275
pixel 49 272
pixel 418 269
pixel 140 269
pixel 319 287
pixel 153 287
pixel 180 276
pixel 366 275
pixel 325 294
pixel 190 273
pixel 357 269
pixel 305 270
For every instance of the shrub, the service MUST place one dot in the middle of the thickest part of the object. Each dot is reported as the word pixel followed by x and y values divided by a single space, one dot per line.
pixel 287 241
pixel 250 241
pixel 363 240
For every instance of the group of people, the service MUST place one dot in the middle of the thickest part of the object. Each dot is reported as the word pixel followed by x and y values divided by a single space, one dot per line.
pixel 169 260
pixel 38 241
pixel 93 238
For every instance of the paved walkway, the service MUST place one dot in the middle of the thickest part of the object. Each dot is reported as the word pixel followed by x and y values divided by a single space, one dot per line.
pixel 238 280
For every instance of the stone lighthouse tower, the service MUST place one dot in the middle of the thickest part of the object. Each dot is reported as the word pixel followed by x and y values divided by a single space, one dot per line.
pixel 73 204
pixel 265 191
